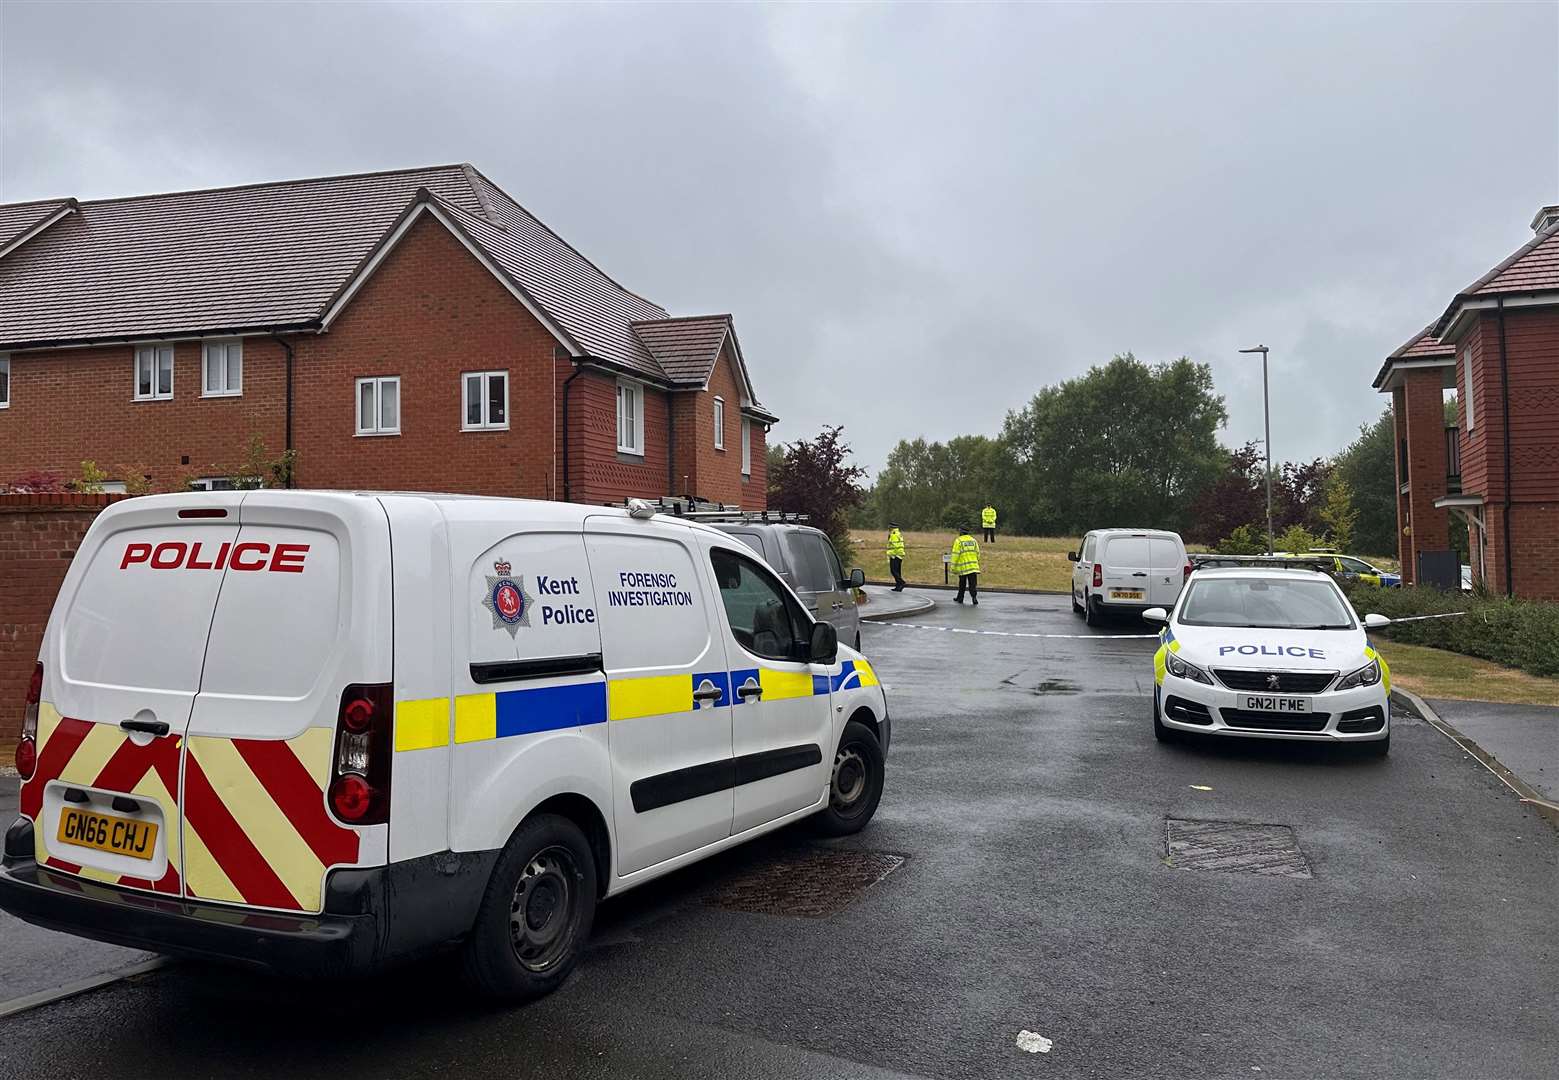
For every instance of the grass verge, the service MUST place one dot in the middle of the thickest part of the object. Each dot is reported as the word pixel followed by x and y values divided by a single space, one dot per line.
pixel 1437 673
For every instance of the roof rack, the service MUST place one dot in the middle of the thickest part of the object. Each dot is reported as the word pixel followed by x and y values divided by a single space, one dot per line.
pixel 1212 560
pixel 695 509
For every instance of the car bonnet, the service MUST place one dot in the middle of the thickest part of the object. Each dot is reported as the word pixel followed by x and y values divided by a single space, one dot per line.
pixel 1294 650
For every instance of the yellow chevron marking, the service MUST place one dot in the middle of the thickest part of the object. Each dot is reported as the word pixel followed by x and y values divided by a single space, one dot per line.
pixel 93 753
pixel 780 685
pixel 652 695
pixel 152 787
pixel 421 725
pixel 1158 664
pixel 204 875
pixel 476 717
pixel 95 874
pixel 48 720
pixel 256 812
pixel 867 675
pixel 314 748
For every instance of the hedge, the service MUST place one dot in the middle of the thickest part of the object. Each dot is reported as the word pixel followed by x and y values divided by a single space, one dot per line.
pixel 1517 633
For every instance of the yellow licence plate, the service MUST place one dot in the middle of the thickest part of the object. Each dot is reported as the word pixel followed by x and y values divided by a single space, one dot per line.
pixel 122 836
pixel 1126 594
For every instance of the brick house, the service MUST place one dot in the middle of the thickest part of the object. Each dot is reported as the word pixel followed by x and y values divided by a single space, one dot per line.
pixel 1497 346
pixel 416 329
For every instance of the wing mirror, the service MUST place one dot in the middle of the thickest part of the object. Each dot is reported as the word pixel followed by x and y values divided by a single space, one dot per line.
pixel 1071 556
pixel 824 646
pixel 1375 622
pixel 1156 614
pixel 857 578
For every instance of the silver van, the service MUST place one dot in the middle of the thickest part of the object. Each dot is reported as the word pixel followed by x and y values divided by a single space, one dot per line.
pixel 806 559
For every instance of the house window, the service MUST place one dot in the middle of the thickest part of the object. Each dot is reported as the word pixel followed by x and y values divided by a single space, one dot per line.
pixel 746 447
pixel 630 418
pixel 213 483
pixel 484 401
pixel 223 367
pixel 114 487
pixel 379 405
pixel 1467 407
pixel 154 373
pixel 5 382
pixel 719 423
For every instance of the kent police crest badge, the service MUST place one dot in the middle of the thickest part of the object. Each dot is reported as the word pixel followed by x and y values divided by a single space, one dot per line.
pixel 507 599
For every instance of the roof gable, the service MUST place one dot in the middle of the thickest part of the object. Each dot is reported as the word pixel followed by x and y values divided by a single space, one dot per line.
pixel 1420 349
pixel 20 222
pixel 1531 268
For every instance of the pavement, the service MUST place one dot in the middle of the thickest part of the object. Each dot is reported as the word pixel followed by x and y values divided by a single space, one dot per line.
pixel 883 603
pixel 1414 935
pixel 1522 738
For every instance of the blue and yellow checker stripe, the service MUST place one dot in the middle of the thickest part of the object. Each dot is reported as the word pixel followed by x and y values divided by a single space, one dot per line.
pixel 424 724
pixel 1167 645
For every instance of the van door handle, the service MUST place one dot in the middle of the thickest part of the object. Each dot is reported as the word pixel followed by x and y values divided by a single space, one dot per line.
pixel 1140 573
pixel 707 692
pixel 749 689
pixel 150 727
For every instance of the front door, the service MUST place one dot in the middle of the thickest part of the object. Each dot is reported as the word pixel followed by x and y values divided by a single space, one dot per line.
pixel 782 721
pixel 668 693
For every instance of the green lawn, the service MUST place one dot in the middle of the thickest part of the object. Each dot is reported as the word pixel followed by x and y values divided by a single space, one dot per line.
pixel 1013 562
pixel 1437 673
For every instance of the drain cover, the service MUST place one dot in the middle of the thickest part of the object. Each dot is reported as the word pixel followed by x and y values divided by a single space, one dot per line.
pixel 1235 847
pixel 810 885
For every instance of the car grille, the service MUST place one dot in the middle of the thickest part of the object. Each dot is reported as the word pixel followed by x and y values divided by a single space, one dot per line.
pixel 1271 721
pixel 1289 682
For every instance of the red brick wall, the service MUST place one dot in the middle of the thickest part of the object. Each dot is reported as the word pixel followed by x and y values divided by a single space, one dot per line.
pixel 39 535
pixel 73 404
pixel 702 469
pixel 600 473
pixel 755 487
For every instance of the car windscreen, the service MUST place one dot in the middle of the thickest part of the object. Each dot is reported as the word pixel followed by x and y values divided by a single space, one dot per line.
pixel 1265 602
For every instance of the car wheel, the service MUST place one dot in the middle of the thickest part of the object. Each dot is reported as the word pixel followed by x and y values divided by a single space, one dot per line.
pixel 1378 749
pixel 1091 613
pixel 1160 732
pixel 855 786
pixel 536 914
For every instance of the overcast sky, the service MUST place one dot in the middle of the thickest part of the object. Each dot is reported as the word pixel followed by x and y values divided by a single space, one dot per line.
pixel 919 215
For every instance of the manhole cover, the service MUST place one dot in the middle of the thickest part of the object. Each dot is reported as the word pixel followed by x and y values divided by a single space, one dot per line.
pixel 1235 847
pixel 811 885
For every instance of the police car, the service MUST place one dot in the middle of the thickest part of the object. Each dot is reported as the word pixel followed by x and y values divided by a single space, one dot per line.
pixel 1271 654
pixel 319 731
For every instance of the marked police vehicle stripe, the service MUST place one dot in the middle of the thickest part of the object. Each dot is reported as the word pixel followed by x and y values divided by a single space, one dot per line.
pixel 696 781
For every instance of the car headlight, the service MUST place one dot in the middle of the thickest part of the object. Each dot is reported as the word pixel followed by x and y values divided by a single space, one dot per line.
pixel 1368 675
pixel 1183 670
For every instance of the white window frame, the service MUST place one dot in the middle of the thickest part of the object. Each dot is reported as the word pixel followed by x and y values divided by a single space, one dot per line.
pixel 378 382
pixel 213 483
pixel 486 423
pixel 159 393
pixel 1467 406
pixel 231 387
pixel 635 392
pixel 115 487
pixel 719 423
pixel 5 381
pixel 746 446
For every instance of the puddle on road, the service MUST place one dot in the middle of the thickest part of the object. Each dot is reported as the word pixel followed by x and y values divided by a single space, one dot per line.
pixel 1043 688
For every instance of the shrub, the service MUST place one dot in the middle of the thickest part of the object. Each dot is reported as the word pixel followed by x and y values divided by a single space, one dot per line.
pixel 1244 540
pixel 955 514
pixel 1517 633
pixel 1296 539
pixel 37 482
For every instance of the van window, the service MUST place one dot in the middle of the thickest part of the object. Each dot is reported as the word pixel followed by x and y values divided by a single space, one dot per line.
pixel 751 539
pixel 140 616
pixel 1087 552
pixel 1166 553
pixel 811 565
pixel 1128 551
pixel 275 629
pixel 763 617
pixel 651 609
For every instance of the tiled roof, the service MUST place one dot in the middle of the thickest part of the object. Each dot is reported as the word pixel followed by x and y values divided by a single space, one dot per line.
pixel 1423 345
pixel 685 348
pixel 1532 268
pixel 16 219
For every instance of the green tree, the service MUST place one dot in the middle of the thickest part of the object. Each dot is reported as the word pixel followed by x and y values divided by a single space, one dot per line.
pixel 922 478
pixel 1368 466
pixel 1243 540
pixel 1338 512
pixel 1126 444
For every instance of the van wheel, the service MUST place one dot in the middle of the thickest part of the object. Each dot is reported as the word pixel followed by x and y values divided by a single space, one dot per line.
pixel 1077 609
pixel 855 786
pixel 536 915
pixel 1091 613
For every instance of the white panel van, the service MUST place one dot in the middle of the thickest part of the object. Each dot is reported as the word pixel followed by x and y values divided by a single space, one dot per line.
pixel 1127 571
pixel 320 731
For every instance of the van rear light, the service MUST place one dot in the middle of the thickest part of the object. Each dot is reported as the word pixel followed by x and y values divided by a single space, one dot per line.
pixel 360 777
pixel 1098 575
pixel 1186 575
pixel 27 748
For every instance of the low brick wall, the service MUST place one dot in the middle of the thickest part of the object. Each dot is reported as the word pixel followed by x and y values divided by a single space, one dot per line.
pixel 39 535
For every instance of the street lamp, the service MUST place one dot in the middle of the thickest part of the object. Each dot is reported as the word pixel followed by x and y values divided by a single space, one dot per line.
pixel 1266 407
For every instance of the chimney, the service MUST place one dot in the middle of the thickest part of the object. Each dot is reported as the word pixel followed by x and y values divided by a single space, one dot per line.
pixel 1547 221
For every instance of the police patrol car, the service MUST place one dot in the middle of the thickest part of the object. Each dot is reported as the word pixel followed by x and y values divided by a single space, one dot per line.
pixel 1271 654
pixel 316 731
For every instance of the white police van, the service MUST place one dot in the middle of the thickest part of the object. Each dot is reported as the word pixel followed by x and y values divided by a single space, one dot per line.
pixel 317 731
pixel 1272 654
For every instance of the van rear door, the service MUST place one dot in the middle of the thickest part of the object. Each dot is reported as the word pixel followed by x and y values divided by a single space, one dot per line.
pixel 1168 572
pixel 304 612
pixel 1128 564
pixel 122 661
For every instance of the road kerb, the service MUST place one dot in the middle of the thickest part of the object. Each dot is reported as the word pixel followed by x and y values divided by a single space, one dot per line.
pixel 1524 791
pixel 78 986
pixel 925 604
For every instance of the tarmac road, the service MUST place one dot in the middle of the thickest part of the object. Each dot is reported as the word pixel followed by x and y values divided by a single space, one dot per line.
pixel 1028 794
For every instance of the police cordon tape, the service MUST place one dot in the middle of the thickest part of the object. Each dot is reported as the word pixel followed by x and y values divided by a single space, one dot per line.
pixel 1088 637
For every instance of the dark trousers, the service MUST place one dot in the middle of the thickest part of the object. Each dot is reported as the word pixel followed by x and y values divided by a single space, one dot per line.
pixel 896 568
pixel 990 535
pixel 972 583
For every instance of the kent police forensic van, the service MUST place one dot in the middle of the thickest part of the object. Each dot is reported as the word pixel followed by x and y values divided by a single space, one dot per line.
pixel 317 731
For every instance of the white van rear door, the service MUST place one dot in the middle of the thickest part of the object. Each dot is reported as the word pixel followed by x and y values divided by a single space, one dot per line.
pixel 125 646
pixel 1128 564
pixel 1168 573
pixel 303 612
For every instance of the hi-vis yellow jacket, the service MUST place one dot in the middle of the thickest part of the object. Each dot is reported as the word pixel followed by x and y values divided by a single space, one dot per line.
pixel 966 555
pixel 988 517
pixel 895 544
